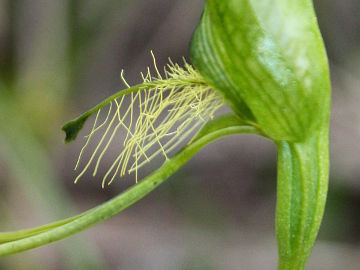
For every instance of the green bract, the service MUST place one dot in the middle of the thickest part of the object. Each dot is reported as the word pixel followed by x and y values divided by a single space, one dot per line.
pixel 268 61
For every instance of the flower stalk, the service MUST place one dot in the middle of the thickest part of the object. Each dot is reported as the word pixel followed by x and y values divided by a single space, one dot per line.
pixel 302 184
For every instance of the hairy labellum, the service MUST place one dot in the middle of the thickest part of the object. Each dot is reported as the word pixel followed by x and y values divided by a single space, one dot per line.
pixel 156 118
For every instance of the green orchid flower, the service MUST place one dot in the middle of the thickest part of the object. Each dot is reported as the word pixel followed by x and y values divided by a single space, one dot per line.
pixel 266 60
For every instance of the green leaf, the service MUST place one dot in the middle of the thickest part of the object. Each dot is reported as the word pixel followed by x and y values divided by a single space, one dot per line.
pixel 268 60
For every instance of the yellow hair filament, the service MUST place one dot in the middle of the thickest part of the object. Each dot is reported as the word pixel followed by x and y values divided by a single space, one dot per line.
pixel 156 119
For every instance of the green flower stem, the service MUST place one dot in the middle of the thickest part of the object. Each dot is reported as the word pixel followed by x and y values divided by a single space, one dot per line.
pixel 302 187
pixel 21 234
pixel 219 127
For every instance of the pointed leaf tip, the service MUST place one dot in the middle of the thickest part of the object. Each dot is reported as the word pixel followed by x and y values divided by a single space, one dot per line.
pixel 73 128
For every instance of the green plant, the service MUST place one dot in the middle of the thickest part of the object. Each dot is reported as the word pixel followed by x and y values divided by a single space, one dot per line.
pixel 266 60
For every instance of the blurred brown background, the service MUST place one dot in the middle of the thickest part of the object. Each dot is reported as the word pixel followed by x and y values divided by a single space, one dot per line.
pixel 59 58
